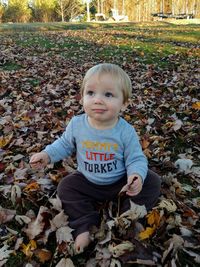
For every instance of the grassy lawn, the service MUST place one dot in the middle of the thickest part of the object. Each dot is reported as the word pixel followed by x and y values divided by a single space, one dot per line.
pixel 149 43
pixel 41 70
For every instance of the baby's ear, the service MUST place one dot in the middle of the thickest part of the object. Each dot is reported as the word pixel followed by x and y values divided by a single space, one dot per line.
pixel 81 101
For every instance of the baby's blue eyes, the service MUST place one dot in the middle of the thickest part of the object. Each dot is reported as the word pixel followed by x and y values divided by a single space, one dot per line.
pixel 107 94
pixel 90 93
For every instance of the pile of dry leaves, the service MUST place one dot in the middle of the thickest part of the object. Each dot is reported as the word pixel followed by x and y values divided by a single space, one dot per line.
pixel 38 98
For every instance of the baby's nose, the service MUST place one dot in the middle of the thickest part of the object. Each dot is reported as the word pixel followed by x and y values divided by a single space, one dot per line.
pixel 98 99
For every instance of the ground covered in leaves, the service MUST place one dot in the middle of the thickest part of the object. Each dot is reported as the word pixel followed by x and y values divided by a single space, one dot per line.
pixel 41 73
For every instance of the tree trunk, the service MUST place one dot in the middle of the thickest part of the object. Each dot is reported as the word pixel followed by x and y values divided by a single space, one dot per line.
pixel 62 11
pixel 98 6
pixel 88 11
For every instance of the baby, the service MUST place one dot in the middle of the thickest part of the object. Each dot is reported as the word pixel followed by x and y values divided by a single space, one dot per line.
pixel 108 152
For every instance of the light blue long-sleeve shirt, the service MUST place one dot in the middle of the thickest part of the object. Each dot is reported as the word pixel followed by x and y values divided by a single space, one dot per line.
pixel 103 156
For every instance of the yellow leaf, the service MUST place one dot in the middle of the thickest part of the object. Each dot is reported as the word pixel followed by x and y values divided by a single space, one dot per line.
pixel 148 232
pixel 196 105
pixel 5 140
pixel 127 117
pixel 153 218
pixel 28 249
pixel 25 118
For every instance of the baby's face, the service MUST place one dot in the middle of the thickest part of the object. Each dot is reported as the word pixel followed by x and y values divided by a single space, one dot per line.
pixel 102 99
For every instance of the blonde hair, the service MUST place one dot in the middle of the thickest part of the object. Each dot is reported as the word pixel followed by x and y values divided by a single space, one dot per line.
pixel 120 76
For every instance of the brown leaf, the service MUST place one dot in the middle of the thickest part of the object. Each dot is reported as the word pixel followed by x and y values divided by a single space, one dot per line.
pixel 65 263
pixel 6 215
pixel 43 255
pixel 59 220
pixel 5 140
pixel 36 226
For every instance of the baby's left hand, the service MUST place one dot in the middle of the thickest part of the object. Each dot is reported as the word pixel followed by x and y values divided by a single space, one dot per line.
pixel 133 186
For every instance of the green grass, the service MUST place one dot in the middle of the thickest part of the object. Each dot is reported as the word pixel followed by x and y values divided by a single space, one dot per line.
pixel 9 66
pixel 150 43
pixel 39 26
pixel 16 260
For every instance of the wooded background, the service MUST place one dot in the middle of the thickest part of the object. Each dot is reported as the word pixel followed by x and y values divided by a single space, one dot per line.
pixel 64 10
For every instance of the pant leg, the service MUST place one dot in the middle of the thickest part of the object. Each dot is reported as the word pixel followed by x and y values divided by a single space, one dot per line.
pixel 149 194
pixel 79 198
pixel 76 203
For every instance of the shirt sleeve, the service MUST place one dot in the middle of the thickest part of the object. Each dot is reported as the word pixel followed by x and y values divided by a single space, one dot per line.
pixel 135 160
pixel 63 147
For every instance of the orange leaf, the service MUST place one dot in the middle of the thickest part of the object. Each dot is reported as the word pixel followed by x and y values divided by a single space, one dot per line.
pixel 32 187
pixel 196 105
pixel 43 255
pixel 153 218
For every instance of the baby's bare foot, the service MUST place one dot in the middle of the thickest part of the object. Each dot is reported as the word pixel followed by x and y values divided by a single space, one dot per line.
pixel 82 241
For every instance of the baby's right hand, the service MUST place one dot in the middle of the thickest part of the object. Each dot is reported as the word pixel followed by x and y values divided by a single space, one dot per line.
pixel 39 160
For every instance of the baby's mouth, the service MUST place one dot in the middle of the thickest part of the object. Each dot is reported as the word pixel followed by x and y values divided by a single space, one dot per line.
pixel 98 110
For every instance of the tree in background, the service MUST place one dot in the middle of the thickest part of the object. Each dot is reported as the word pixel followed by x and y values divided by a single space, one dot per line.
pixel 141 10
pixel 17 11
pixel 56 10
pixel 43 10
pixel 68 9
pixel 2 11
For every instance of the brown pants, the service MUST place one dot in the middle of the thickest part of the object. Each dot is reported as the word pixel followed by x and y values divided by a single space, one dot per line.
pixel 79 198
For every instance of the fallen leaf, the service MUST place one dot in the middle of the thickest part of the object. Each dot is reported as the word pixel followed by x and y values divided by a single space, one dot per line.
pixel 118 250
pixel 29 248
pixel 59 220
pixel 56 202
pixel 65 263
pixel 15 194
pixel 5 140
pixel 6 215
pixel 43 255
pixel 184 164
pixel 177 125
pixel 36 226
pixel 147 233
pixel 4 254
pixel 167 204
pixel 34 186
pixel 63 234
pixel 21 219
pixel 196 105
pixel 135 211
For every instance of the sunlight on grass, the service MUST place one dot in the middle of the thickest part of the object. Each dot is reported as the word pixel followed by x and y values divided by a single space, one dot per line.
pixel 150 43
